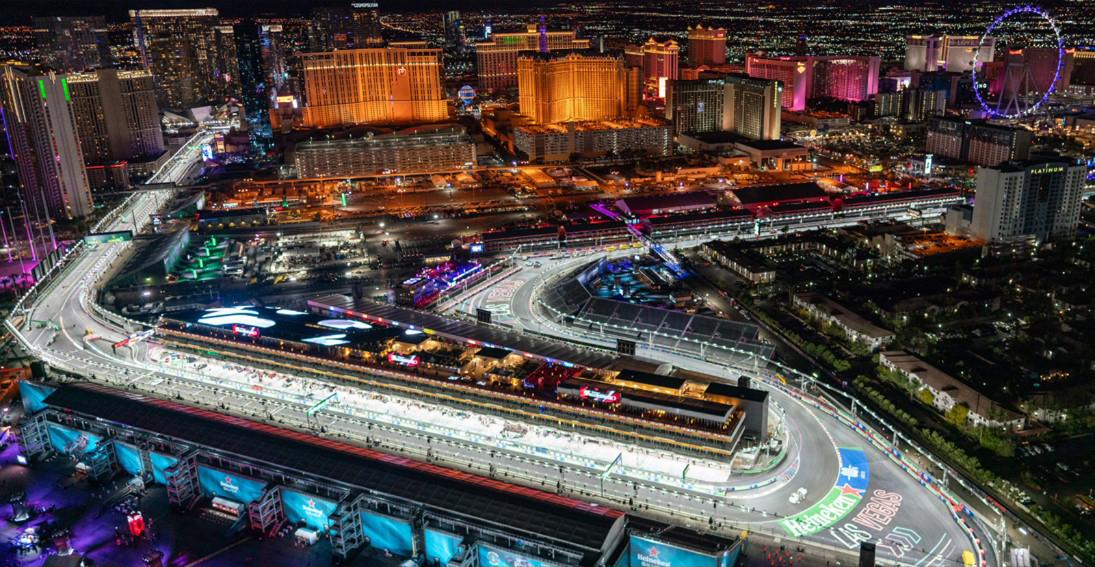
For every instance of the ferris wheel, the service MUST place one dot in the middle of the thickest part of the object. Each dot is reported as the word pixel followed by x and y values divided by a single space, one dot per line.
pixel 1018 94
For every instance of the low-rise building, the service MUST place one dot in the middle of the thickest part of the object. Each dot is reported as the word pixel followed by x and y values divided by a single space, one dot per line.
pixel 557 142
pixel 731 257
pixel 423 148
pixel 854 325
pixel 947 391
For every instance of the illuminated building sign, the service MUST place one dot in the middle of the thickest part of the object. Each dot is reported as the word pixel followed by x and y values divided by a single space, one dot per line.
pixel 396 358
pixel 839 502
pixel 476 248
pixel 245 330
pixel 606 396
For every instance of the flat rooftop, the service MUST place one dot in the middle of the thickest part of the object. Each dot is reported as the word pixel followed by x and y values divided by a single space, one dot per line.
pixel 461 331
pixel 454 492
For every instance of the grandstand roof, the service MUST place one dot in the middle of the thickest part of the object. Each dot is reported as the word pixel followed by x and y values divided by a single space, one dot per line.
pixel 732 391
pixel 656 380
pixel 457 493
pixel 454 329
pixel 782 193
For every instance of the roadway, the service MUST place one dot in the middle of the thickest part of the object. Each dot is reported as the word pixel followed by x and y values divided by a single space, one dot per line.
pixel 927 536
pixel 919 530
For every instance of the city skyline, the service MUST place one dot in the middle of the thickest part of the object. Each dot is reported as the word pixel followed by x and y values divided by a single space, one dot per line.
pixel 627 284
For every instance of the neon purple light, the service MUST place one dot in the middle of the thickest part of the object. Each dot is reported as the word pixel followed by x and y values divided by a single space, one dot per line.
pixel 1056 74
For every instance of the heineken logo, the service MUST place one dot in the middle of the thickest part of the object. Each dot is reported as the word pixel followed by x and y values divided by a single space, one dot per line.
pixel 837 504
pixel 851 484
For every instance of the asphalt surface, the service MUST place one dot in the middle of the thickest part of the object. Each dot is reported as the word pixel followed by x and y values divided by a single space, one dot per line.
pixel 918 530
pixel 928 535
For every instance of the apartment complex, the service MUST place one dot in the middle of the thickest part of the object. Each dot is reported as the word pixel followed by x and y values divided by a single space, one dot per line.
pixel 398 84
pixel 558 142
pixel 706 46
pixel 734 103
pixel 496 58
pixel 947 52
pixel 576 87
pixel 659 60
pixel 42 134
pixel 180 48
pixel 117 121
pixel 419 149
pixel 1037 199
pixel 72 43
pixel 851 78
pixel 977 141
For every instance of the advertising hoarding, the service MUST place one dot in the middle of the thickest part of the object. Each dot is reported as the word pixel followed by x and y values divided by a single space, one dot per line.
pixel 71 442
pixel 128 458
pixel 33 395
pixel 159 466
pixel 385 532
pixel 315 512
pixel 441 546
pixel 491 556
pixel 215 482
pixel 645 552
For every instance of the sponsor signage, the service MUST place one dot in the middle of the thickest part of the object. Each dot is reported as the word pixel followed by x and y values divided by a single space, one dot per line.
pixel 440 546
pixel 606 396
pixel 215 482
pixel 128 458
pixel 845 495
pixel 70 441
pixel 649 553
pixel 245 330
pixel 160 464
pixel 385 532
pixel 405 360
pixel 33 395
pixel 108 237
pixel 312 511
pixel 490 556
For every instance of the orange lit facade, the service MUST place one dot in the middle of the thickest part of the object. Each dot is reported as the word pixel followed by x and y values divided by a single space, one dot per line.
pixel 576 87
pixel 387 85
pixel 496 59
pixel 706 46
pixel 657 59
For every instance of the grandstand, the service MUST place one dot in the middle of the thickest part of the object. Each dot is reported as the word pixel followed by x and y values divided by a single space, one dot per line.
pixel 569 302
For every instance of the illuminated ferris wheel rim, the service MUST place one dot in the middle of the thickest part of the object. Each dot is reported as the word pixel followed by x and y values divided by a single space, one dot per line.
pixel 1027 9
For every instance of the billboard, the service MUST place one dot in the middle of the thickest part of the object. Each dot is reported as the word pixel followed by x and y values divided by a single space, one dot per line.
pixel 490 556
pixel 159 466
pixel 441 546
pixel 107 237
pixel 215 482
pixel 312 511
pixel 33 395
pixel 128 458
pixel 385 532
pixel 645 552
pixel 71 442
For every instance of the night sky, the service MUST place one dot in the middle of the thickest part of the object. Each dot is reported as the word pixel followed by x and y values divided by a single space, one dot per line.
pixel 20 11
